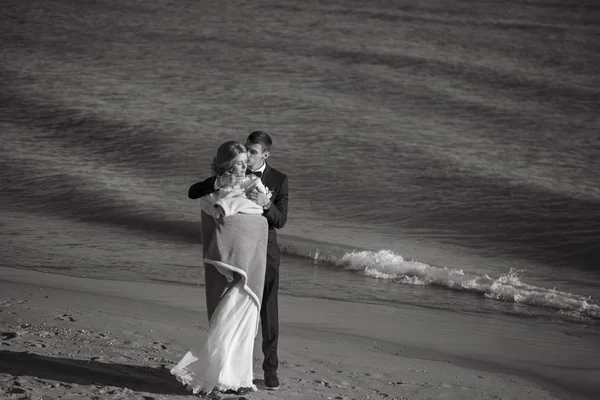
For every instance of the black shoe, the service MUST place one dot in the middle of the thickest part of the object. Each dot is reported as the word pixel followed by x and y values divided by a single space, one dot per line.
pixel 271 381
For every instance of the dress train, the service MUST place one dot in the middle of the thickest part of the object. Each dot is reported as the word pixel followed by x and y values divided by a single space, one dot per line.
pixel 224 360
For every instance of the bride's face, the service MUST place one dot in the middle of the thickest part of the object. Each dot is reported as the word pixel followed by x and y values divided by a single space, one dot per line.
pixel 239 164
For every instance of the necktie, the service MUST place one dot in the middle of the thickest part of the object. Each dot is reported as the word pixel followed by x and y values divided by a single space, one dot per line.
pixel 250 172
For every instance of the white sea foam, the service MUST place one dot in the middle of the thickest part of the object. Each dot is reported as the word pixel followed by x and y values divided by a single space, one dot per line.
pixel 385 264
pixel 389 265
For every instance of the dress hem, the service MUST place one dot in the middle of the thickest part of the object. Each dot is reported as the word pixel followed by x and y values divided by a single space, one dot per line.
pixel 180 375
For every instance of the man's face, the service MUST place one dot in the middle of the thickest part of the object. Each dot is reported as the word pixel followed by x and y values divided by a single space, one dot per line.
pixel 256 156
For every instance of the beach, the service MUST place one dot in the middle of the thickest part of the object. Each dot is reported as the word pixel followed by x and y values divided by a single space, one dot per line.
pixel 69 338
pixel 444 213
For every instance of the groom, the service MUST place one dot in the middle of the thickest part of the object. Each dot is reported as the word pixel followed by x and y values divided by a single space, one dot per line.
pixel 275 209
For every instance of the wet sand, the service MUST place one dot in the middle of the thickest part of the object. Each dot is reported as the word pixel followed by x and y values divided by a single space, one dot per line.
pixel 69 338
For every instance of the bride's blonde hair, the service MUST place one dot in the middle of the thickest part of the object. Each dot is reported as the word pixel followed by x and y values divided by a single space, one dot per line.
pixel 226 152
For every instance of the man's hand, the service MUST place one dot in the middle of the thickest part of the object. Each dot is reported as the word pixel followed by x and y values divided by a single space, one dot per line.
pixel 259 198
pixel 228 179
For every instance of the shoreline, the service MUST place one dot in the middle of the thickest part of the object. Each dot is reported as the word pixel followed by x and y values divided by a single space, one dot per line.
pixel 366 348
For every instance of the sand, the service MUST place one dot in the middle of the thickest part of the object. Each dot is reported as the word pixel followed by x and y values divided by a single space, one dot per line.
pixel 64 337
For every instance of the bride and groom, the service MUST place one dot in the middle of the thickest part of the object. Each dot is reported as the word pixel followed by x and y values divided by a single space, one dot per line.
pixel 243 204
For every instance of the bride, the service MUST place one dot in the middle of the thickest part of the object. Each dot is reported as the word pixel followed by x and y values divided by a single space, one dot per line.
pixel 234 237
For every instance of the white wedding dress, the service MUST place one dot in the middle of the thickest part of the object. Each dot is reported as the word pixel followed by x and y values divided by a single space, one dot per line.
pixel 224 360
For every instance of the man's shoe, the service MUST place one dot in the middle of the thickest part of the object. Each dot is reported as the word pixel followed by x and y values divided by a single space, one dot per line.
pixel 271 381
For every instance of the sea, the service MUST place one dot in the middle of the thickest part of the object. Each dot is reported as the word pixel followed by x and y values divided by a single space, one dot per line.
pixel 440 154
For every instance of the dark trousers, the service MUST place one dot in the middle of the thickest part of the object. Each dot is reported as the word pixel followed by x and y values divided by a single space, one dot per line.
pixel 269 311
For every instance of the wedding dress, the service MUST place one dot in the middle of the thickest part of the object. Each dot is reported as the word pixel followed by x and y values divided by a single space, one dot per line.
pixel 224 360
pixel 236 233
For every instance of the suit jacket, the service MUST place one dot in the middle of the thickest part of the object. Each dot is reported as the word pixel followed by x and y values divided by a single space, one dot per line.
pixel 277 183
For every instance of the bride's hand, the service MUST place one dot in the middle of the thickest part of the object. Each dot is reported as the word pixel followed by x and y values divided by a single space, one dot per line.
pixel 228 179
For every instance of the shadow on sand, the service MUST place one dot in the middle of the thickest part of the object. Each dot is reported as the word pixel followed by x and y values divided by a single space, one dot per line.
pixel 81 372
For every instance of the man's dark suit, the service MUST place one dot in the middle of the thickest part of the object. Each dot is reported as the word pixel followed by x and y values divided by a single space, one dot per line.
pixel 277 183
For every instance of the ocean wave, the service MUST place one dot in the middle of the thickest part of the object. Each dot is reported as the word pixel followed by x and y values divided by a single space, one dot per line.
pixel 106 137
pixel 385 264
pixel 82 198
pixel 510 287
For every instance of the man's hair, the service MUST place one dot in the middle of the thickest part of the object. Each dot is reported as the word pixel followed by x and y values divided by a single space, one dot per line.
pixel 225 155
pixel 262 138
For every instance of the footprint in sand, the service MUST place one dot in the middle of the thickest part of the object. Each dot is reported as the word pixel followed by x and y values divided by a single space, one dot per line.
pixel 8 335
pixel 158 346
pixel 388 397
pixel 65 317
pixel 320 382
pixel 12 302
pixel 15 390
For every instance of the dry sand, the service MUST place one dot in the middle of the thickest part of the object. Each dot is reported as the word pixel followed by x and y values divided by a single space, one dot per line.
pixel 75 338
